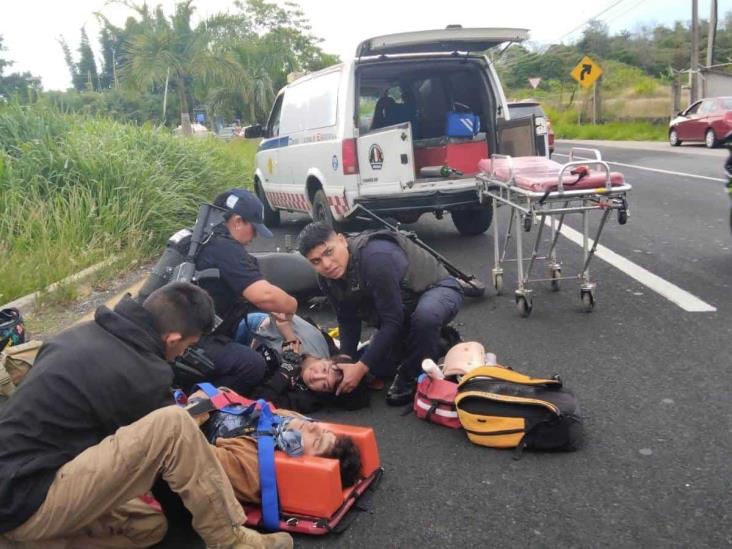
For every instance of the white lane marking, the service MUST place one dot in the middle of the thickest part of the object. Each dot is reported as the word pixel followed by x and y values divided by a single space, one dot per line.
pixel 670 291
pixel 657 170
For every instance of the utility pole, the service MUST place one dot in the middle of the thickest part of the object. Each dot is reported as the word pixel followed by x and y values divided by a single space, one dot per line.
pixel 694 67
pixel 597 102
pixel 712 37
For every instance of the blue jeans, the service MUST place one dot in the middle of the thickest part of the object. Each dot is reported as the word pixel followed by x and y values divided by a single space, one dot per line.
pixel 248 327
pixel 436 308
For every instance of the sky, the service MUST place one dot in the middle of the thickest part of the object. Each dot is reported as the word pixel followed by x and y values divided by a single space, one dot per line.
pixel 31 28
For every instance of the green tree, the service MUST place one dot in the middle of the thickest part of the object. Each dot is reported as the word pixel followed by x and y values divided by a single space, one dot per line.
pixel 285 41
pixel 87 66
pixel 250 93
pixel 84 75
pixel 172 49
pixel 23 87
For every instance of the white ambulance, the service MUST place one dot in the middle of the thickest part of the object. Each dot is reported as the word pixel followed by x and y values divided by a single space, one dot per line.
pixel 399 129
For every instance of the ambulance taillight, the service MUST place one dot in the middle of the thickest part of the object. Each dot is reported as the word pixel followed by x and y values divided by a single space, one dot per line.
pixel 350 156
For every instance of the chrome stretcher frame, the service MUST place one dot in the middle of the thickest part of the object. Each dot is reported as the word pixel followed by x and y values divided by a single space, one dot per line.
pixel 535 207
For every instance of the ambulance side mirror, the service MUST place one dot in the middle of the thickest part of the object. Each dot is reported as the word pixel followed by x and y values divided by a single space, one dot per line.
pixel 253 131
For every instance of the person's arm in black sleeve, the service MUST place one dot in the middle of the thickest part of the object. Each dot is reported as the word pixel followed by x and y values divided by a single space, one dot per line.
pixel 349 328
pixel 349 325
pixel 382 274
pixel 382 269
pixel 359 398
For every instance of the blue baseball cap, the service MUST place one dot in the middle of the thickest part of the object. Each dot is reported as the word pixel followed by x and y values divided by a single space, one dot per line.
pixel 248 206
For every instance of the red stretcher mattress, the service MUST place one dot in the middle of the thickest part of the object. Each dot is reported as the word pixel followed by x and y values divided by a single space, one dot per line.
pixel 540 174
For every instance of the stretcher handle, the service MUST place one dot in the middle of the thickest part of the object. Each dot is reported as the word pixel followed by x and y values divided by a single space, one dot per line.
pixel 509 161
pixel 594 152
pixel 569 166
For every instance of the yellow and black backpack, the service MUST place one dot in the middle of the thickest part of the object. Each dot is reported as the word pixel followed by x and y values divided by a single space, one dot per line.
pixel 501 408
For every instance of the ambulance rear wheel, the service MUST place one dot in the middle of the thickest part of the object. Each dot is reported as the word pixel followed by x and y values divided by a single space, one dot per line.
pixel 322 211
pixel 474 221
pixel 271 217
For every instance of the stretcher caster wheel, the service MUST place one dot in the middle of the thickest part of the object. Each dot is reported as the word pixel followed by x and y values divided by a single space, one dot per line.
pixel 622 217
pixel 588 300
pixel 556 275
pixel 524 305
pixel 498 282
pixel 528 222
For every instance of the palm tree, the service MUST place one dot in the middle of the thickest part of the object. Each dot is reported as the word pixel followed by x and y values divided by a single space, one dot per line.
pixel 170 48
pixel 252 87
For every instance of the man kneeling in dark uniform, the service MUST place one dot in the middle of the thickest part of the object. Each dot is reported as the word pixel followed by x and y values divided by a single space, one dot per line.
pixel 384 279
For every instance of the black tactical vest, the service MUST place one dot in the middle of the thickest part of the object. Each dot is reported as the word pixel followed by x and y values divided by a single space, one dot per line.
pixel 423 271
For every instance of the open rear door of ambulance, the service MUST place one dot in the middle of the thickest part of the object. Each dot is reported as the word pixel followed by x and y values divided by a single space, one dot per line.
pixel 386 160
pixel 453 38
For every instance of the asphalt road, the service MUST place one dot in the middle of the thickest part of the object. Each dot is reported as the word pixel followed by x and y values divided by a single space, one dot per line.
pixel 653 381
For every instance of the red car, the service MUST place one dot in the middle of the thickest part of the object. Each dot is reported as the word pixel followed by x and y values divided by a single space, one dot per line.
pixel 707 121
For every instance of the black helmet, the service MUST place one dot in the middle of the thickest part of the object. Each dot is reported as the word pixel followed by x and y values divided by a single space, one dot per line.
pixel 12 328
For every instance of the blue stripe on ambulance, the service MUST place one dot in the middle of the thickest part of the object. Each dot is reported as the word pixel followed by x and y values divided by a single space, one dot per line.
pixel 274 143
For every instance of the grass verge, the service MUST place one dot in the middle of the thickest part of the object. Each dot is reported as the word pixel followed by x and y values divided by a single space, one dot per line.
pixel 619 131
pixel 75 190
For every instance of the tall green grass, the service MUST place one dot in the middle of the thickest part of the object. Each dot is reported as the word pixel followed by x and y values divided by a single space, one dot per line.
pixel 565 126
pixel 75 190
pixel 612 131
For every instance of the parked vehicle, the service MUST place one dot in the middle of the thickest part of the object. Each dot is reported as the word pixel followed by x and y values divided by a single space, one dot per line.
pixel 544 130
pixel 367 130
pixel 707 121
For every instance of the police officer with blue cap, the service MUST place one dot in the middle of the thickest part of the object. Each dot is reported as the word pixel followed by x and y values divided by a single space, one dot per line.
pixel 239 289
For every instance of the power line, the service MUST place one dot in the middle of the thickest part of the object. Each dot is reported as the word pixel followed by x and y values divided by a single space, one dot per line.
pixel 596 16
pixel 627 10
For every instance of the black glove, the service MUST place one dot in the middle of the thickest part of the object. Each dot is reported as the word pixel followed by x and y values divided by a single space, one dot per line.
pixel 272 359
pixel 290 368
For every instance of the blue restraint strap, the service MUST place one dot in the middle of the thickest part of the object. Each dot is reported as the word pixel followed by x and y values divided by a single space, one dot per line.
pixel 267 478
pixel 265 454
pixel 209 389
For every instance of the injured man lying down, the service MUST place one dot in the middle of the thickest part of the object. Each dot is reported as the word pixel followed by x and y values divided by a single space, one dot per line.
pixel 235 437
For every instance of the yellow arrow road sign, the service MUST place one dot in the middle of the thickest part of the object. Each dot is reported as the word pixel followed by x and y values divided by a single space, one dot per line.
pixel 586 72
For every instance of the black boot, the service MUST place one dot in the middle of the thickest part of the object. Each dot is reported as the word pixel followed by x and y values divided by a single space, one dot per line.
pixel 401 391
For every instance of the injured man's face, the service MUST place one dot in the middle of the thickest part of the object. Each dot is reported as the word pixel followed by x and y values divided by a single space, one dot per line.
pixel 322 375
pixel 316 440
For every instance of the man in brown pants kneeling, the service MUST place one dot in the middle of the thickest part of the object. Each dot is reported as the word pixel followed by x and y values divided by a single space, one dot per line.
pixel 92 427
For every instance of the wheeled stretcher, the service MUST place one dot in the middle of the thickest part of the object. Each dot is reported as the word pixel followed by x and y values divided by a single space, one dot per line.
pixel 541 192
